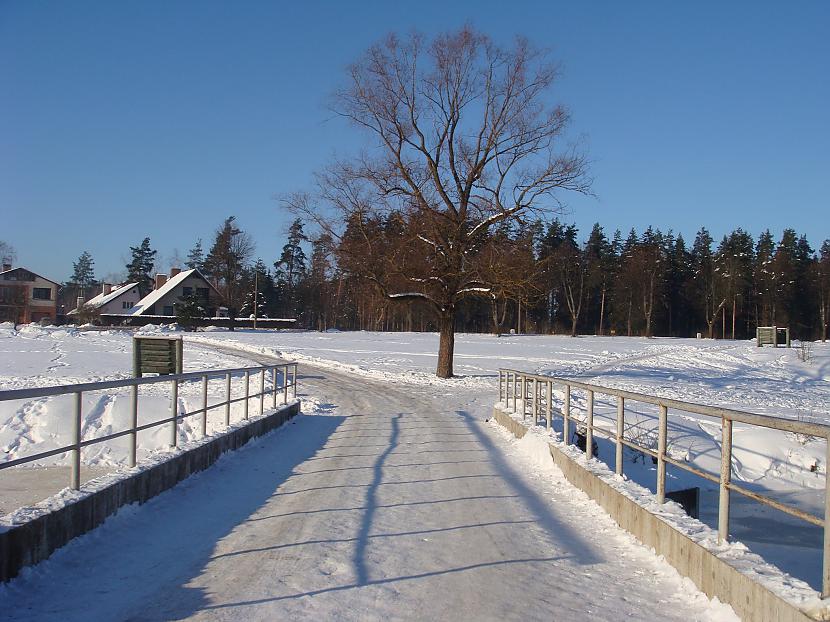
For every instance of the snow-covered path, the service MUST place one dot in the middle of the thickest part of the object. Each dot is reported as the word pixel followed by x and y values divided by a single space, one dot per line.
pixel 387 503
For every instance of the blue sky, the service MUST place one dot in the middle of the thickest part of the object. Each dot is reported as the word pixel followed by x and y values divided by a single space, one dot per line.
pixel 124 120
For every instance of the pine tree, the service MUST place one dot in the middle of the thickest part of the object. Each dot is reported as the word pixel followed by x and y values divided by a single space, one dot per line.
pixel 140 268
pixel 189 309
pixel 83 273
pixel 195 257
pixel 291 269
pixel 226 261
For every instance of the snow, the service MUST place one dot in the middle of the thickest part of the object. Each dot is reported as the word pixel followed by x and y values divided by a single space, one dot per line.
pixel 724 373
pixel 410 506
pixel 35 356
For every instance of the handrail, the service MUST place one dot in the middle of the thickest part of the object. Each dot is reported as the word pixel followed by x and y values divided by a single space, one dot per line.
pixel 515 384
pixel 289 380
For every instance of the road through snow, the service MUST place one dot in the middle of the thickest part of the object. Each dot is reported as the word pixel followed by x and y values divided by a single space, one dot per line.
pixel 385 503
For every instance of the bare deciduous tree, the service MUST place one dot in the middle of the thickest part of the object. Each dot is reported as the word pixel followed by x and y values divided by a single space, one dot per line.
pixel 463 139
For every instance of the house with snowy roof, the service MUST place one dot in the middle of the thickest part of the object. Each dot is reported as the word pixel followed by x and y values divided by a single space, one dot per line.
pixel 26 297
pixel 170 290
pixel 114 299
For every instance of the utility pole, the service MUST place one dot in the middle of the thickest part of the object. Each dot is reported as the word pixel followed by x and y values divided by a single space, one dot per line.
pixel 256 294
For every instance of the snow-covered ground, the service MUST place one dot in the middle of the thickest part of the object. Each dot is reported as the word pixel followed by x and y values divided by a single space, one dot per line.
pixel 380 502
pixel 35 356
pixel 724 373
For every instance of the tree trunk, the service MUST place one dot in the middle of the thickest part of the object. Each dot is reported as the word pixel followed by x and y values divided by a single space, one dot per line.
pixel 601 310
pixel 734 303
pixel 446 343
pixel 519 318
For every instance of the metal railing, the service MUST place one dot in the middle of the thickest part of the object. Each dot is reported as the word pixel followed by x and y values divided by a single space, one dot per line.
pixel 289 381
pixel 534 395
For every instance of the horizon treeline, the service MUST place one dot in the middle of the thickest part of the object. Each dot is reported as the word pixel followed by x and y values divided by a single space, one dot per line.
pixel 551 280
pixel 546 278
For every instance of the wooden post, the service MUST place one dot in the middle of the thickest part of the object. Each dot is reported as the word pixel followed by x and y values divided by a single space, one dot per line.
pixel 179 356
pixel 136 357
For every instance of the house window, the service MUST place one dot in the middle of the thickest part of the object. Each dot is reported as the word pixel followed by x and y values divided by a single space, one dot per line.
pixel 168 310
pixel 126 304
pixel 42 293
pixel 203 292
pixel 187 291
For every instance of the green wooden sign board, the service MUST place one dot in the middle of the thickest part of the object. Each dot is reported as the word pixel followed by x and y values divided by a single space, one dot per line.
pixel 157 355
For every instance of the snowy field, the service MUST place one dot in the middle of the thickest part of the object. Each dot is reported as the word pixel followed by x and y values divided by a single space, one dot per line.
pixel 723 373
pixel 33 357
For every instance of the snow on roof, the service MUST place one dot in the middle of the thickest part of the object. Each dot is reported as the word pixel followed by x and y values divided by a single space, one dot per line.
pixel 157 294
pixel 101 299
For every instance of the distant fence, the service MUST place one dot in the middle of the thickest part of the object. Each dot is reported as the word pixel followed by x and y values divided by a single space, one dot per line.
pixel 116 319
pixel 532 394
pixel 267 387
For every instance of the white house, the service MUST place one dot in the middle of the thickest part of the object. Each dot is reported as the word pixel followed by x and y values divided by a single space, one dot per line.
pixel 120 299
pixel 169 291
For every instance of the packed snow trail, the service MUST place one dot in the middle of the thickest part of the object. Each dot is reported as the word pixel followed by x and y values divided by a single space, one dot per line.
pixel 385 504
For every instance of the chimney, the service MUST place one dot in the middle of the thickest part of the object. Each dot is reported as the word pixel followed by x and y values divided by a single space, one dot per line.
pixel 174 272
pixel 161 279
pixel 6 266
pixel 79 302
pixel 106 289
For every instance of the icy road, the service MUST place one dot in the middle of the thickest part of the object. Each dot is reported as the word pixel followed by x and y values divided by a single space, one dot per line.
pixel 381 503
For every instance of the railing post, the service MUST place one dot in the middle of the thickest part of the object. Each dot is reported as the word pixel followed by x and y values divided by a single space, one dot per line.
pixel 524 398
pixel 661 454
pixel 589 427
pixel 536 395
pixel 133 425
pixel 261 391
pixel 174 413
pixel 550 403
pixel 294 381
pixel 75 468
pixel 501 382
pixel 247 393
pixel 204 404
pixel 566 415
pixel 274 386
pixel 825 583
pixel 619 438
pixel 228 398
pixel 515 392
pixel 285 384
pixel 725 478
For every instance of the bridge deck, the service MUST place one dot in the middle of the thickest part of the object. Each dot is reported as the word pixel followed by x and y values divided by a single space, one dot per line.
pixel 396 503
